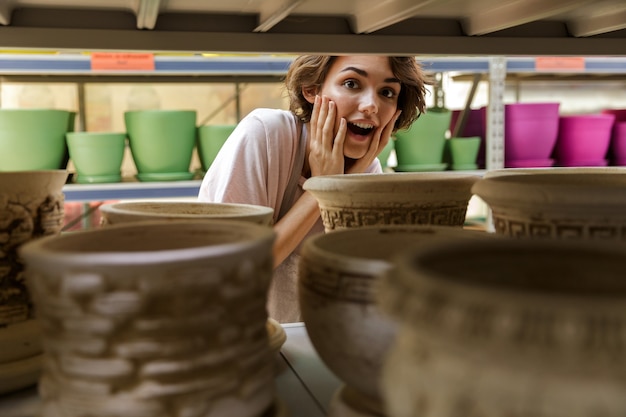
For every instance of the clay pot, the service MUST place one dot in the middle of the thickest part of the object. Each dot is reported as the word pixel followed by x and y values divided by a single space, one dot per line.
pixel 339 275
pixel 511 327
pixel 127 211
pixel 31 206
pixel 584 203
pixel 159 319
pixel 356 200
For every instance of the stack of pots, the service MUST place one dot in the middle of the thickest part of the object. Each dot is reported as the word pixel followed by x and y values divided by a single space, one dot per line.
pixel 367 218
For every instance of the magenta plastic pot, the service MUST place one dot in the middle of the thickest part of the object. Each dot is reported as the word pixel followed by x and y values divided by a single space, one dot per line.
pixel 583 138
pixel 530 130
pixel 618 143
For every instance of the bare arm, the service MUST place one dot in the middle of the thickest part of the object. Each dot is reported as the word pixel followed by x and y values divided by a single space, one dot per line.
pixel 294 226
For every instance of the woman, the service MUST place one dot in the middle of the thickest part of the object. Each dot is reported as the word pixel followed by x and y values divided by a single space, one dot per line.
pixel 343 110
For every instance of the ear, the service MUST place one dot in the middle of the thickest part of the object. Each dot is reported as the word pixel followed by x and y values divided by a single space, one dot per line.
pixel 309 93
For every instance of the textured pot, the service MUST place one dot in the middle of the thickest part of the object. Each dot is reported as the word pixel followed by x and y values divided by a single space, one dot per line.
pixel 510 327
pixel 211 138
pixel 128 211
pixel 356 200
pixel 97 156
pixel 158 319
pixel 161 143
pixel 339 274
pixel 31 206
pixel 583 203
pixel 36 138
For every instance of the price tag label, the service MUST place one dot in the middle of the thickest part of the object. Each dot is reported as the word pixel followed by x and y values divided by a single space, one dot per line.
pixel 122 61
pixel 559 63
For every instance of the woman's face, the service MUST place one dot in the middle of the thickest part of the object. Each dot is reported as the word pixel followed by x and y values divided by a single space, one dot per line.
pixel 365 92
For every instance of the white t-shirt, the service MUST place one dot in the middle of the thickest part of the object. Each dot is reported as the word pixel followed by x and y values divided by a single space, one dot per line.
pixel 253 167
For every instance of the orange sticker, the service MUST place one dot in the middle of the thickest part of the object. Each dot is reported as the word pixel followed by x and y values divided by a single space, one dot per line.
pixel 122 61
pixel 549 63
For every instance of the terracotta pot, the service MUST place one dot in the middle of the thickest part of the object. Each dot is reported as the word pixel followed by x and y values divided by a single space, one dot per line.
pixel 339 275
pixel 510 327
pixel 159 319
pixel 587 204
pixel 356 200
pixel 127 211
pixel 31 206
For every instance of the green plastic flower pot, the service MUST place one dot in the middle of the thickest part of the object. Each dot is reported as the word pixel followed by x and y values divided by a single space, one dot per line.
pixel 464 152
pixel 211 138
pixel 423 143
pixel 32 139
pixel 161 142
pixel 97 156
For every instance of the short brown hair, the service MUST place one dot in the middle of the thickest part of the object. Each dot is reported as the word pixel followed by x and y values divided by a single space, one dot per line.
pixel 311 71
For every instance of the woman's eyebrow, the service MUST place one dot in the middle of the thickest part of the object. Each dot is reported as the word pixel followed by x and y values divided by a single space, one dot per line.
pixel 363 73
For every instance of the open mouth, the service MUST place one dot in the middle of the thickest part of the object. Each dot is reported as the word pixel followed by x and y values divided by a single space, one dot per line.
pixel 362 129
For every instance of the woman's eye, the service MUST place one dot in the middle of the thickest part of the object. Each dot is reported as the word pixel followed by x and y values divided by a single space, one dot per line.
pixel 351 84
pixel 388 93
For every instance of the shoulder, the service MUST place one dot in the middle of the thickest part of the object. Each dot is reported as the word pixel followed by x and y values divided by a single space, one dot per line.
pixel 273 118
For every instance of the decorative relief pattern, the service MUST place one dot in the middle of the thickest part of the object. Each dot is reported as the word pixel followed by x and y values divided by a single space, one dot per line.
pixel 552 229
pixel 23 217
pixel 335 285
pixel 449 214
pixel 161 344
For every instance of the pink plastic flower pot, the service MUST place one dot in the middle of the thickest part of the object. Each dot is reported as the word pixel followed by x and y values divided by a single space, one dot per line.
pixel 583 139
pixel 619 143
pixel 530 130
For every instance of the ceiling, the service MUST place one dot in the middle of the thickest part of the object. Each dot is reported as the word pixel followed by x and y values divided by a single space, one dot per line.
pixel 403 27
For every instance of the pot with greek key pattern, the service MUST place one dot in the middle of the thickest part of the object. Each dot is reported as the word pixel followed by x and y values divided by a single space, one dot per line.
pixel 355 200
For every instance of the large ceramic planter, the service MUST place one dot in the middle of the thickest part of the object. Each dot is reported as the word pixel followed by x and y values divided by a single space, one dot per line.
pixel 530 133
pixel 510 327
pixel 211 138
pixel 130 211
pixel 33 139
pixel 356 200
pixel 339 276
pixel 587 204
pixel 97 156
pixel 31 207
pixel 161 143
pixel 420 147
pixel 155 319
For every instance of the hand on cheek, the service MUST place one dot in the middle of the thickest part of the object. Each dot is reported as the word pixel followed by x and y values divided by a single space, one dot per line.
pixel 326 147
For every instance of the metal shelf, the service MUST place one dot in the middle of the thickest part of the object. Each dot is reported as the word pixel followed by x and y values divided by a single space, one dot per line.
pixel 131 190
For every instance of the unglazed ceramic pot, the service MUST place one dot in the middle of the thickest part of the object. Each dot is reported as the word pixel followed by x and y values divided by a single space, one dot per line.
pixel 586 204
pixel 510 327
pixel 338 280
pixel 355 200
pixel 31 206
pixel 155 319
pixel 128 211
